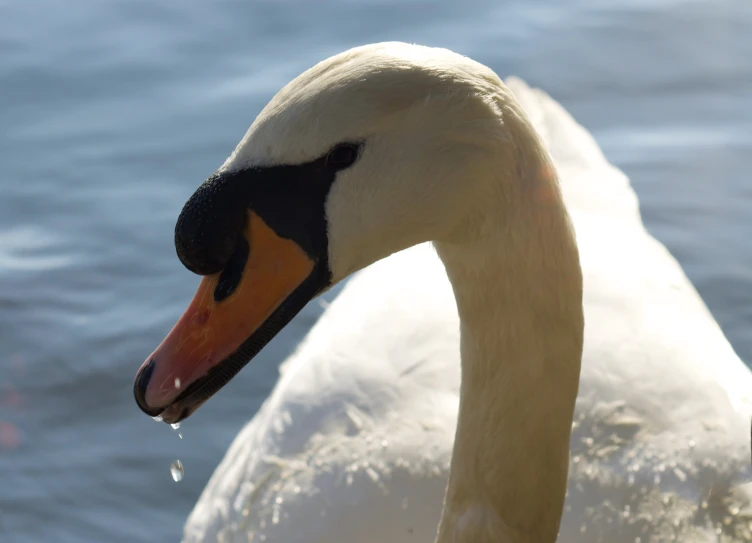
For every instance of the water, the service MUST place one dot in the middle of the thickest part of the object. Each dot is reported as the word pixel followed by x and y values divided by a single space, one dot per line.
pixel 177 471
pixel 113 112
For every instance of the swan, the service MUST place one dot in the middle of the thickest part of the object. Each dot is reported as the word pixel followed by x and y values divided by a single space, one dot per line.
pixel 452 384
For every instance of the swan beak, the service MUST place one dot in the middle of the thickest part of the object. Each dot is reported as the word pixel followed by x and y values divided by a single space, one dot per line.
pixel 232 316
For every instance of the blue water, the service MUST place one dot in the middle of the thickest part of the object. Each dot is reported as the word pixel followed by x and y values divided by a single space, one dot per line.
pixel 112 113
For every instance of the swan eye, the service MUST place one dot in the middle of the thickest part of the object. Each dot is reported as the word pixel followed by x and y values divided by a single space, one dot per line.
pixel 343 156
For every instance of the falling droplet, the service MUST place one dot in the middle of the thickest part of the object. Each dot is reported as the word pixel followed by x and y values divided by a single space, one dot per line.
pixel 177 382
pixel 180 435
pixel 158 418
pixel 175 425
pixel 176 469
pixel 373 474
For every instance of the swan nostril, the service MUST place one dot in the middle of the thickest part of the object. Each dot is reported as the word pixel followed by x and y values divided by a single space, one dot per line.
pixel 139 389
pixel 233 271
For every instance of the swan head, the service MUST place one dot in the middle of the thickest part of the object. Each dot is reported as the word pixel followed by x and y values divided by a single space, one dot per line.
pixel 367 153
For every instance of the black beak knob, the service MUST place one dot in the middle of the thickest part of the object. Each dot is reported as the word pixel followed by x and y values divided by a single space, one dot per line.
pixel 211 224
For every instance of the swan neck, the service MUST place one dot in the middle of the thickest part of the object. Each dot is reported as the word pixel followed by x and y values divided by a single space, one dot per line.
pixel 520 308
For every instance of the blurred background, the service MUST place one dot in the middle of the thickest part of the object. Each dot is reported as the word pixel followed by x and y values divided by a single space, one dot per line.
pixel 112 112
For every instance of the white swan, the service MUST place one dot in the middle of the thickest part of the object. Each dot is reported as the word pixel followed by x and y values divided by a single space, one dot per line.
pixel 355 443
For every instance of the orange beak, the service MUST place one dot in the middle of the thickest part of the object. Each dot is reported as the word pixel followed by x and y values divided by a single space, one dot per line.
pixel 232 316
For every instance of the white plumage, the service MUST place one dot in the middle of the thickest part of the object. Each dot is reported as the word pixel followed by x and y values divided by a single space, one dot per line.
pixel 354 442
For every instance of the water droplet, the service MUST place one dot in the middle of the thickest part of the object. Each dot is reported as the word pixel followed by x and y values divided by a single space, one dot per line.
pixel 372 474
pixel 692 443
pixel 158 418
pixel 176 469
pixel 180 435
pixel 177 382
pixel 279 500
pixel 175 425
pixel 296 489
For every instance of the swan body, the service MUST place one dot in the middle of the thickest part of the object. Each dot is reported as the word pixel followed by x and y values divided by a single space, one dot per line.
pixel 355 442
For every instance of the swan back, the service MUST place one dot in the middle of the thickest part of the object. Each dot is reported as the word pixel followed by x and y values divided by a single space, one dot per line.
pixel 665 402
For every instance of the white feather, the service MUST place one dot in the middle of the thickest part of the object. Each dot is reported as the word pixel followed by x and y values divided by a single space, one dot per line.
pixel 355 441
